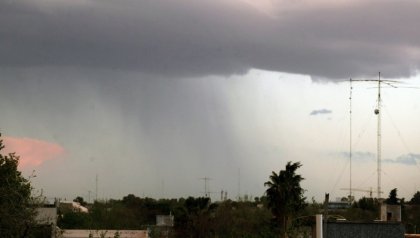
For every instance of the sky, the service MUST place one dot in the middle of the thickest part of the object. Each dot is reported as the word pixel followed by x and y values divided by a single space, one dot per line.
pixel 151 97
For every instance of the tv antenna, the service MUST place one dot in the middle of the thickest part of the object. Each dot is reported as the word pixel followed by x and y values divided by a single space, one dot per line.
pixel 206 186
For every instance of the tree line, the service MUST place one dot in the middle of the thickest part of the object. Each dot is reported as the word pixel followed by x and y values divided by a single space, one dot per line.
pixel 282 211
pixel 193 217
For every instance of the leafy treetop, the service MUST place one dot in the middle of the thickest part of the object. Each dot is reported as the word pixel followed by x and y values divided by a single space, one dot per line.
pixel 285 195
pixel 16 211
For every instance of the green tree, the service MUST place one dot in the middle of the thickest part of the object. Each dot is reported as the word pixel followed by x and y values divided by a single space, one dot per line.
pixel 285 196
pixel 16 209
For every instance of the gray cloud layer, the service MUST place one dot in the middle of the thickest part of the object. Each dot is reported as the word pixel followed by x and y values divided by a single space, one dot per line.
pixel 359 155
pixel 189 38
pixel 407 159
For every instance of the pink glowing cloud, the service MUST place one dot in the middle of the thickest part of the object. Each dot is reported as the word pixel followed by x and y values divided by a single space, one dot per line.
pixel 32 152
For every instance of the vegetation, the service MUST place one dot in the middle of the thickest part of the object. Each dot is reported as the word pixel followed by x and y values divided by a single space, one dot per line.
pixel 392 198
pixel 16 209
pixel 285 196
pixel 416 199
pixel 194 217
pixel 199 217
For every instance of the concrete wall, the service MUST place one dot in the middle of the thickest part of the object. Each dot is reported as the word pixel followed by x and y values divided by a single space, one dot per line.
pixel 363 230
pixel 46 215
pixel 103 233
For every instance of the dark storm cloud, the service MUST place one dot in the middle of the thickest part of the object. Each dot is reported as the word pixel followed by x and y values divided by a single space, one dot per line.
pixel 196 38
pixel 320 111
pixel 138 127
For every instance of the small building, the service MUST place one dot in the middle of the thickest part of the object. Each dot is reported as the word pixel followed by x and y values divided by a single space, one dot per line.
pixel 165 220
pixel 390 212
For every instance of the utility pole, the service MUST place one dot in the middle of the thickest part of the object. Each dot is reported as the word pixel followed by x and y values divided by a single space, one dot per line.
pixel 163 188
pixel 239 184
pixel 96 187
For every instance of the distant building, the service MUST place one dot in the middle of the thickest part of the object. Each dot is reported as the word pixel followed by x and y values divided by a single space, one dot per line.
pixel 46 215
pixel 338 205
pixel 165 220
pixel 70 206
pixel 164 225
pixel 46 219
pixel 390 212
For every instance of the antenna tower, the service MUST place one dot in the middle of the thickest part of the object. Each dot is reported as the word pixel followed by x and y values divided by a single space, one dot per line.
pixel 239 184
pixel 96 187
pixel 379 148
pixel 350 143
pixel 378 112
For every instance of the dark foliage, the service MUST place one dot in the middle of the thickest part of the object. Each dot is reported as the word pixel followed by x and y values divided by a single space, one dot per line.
pixel 392 198
pixel 285 196
pixel 16 209
pixel 415 200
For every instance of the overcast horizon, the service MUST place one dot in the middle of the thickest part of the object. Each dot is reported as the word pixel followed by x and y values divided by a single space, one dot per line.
pixel 153 96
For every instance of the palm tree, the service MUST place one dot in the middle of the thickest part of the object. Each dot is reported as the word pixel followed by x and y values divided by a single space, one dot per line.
pixel 284 195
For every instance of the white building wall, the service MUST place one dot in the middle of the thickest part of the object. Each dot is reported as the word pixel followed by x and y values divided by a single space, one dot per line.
pixel 104 233
pixel 46 215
